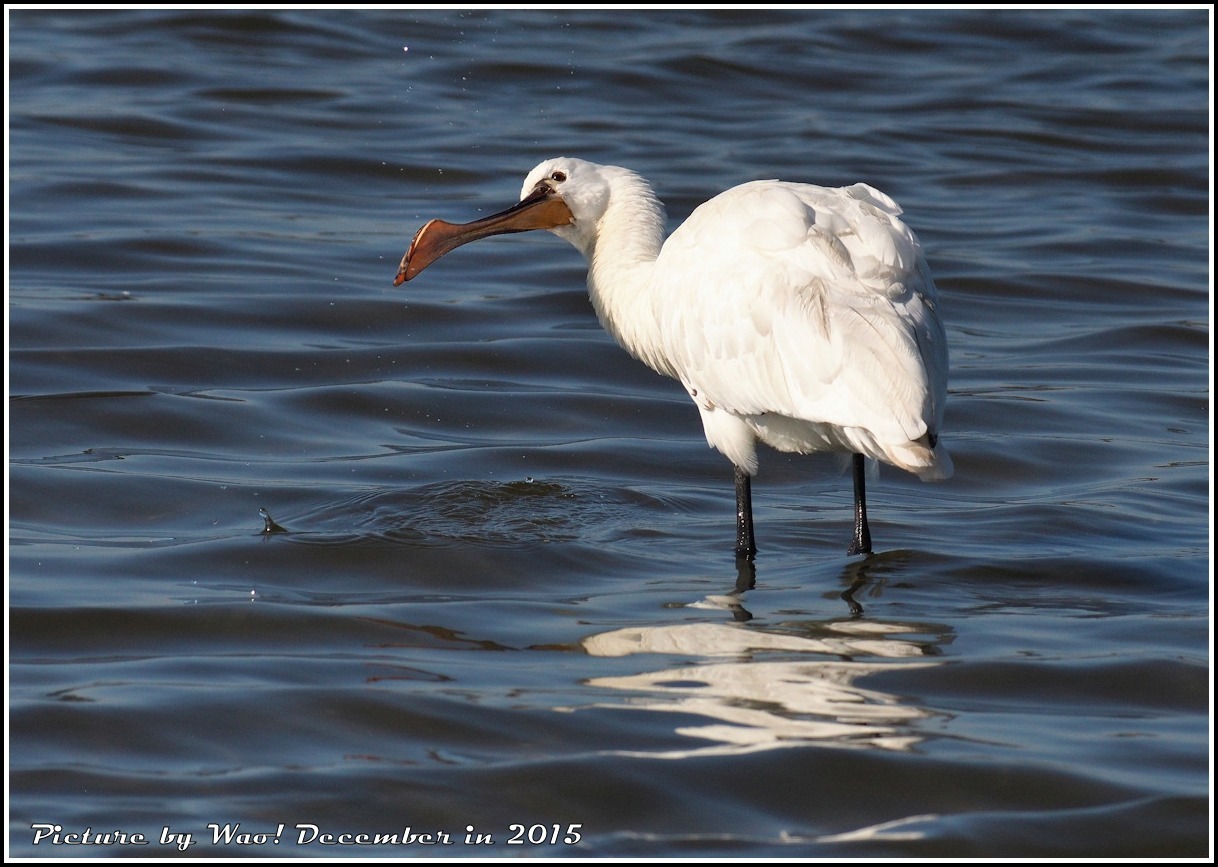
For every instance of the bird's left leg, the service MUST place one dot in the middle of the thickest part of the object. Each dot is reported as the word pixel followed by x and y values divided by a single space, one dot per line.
pixel 862 533
pixel 745 545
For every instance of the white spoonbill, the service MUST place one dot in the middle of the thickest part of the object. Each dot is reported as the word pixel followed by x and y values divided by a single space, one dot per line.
pixel 801 316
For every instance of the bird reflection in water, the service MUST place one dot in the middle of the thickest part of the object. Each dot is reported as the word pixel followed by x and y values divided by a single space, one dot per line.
pixel 765 688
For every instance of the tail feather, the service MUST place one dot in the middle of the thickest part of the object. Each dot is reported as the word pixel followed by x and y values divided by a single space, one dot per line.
pixel 928 464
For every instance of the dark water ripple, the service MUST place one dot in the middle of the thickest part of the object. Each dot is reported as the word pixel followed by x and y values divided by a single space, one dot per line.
pixel 503 593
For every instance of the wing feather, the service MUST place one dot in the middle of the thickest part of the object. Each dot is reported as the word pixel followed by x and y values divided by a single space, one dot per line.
pixel 806 302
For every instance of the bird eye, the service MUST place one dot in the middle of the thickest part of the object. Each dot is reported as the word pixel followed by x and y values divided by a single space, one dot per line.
pixel 559 177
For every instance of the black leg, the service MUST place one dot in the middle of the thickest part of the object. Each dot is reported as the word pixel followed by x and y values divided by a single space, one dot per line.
pixel 745 544
pixel 862 533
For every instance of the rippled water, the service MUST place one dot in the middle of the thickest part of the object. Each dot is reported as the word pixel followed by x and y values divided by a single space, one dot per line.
pixel 505 602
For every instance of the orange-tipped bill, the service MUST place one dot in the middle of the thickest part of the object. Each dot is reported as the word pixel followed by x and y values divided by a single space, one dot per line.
pixel 540 209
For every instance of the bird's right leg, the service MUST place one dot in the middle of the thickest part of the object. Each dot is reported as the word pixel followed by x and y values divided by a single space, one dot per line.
pixel 745 545
pixel 862 533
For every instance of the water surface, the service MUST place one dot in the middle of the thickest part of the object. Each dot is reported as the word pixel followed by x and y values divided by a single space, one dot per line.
pixel 505 604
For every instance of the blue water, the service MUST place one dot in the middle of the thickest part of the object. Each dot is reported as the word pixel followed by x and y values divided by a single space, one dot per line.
pixel 504 611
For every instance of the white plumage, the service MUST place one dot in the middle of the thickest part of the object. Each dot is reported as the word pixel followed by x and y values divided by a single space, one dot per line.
pixel 801 316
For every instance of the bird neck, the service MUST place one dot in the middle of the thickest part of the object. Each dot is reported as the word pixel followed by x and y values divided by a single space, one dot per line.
pixel 621 263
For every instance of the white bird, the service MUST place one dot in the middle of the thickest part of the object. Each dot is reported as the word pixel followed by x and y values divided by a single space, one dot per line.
pixel 801 316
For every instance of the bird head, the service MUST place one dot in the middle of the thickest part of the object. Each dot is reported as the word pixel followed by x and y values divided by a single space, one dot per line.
pixel 557 195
